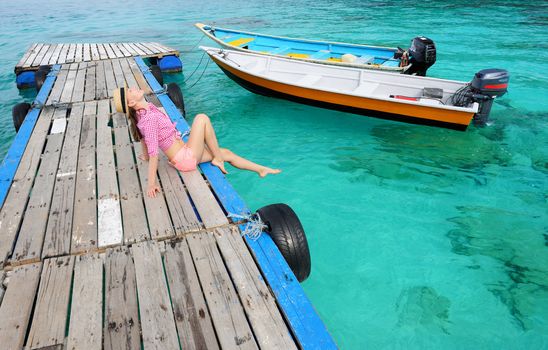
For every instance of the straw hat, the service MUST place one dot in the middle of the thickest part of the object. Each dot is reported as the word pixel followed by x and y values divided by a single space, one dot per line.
pixel 120 100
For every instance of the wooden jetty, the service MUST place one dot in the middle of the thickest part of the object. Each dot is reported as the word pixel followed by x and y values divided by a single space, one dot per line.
pixel 88 261
pixel 42 54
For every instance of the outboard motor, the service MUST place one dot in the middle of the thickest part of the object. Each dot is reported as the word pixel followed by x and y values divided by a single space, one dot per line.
pixel 487 85
pixel 421 55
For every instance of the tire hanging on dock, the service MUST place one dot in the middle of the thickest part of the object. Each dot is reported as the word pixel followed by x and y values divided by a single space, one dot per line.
pixel 175 94
pixel 19 112
pixel 286 230
pixel 40 76
pixel 157 72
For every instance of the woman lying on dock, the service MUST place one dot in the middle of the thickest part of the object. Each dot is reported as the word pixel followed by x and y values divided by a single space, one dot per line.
pixel 155 130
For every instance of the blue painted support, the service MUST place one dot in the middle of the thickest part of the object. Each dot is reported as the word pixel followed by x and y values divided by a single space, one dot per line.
pixel 13 157
pixel 306 324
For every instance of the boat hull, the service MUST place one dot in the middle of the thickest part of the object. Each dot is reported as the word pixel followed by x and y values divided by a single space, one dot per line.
pixel 424 115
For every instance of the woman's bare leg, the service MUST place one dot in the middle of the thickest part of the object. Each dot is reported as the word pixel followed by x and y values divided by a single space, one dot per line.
pixel 240 162
pixel 202 133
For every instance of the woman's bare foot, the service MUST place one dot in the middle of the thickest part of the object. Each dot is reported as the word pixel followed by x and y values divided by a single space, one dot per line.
pixel 219 163
pixel 265 171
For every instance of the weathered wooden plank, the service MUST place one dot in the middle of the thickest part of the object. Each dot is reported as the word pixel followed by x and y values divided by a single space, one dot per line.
pixel 157 213
pixel 159 330
pixel 109 77
pixel 84 232
pixel 78 92
pixel 47 56
pixel 109 51
pixel 58 86
pixel 58 233
pixel 124 49
pixel 94 52
pixel 136 49
pixel 40 55
pixel 147 51
pixel 231 326
pixel 51 311
pixel 101 91
pixel 116 50
pixel 189 306
pixel 17 305
pixel 27 54
pixel 31 235
pixel 71 53
pixel 152 47
pixel 39 50
pixel 118 74
pixel 128 74
pixel 259 304
pixel 89 87
pixel 143 85
pixel 66 95
pixel 63 54
pixel 122 327
pixel 133 210
pixel 86 52
pixel 182 214
pixel 109 215
pixel 211 213
pixel 165 48
pixel 102 52
pixel 78 54
pixel 13 209
pixel 86 316
pixel 55 56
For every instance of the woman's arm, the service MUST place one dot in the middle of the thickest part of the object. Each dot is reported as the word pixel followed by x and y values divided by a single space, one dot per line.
pixel 144 154
pixel 152 187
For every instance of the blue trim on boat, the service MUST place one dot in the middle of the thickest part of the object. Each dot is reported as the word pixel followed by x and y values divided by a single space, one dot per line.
pixel 15 152
pixel 306 324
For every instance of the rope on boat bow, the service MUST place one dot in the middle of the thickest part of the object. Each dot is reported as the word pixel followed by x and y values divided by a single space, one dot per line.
pixel 254 226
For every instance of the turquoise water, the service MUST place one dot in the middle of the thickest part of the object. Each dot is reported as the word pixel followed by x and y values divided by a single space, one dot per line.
pixel 420 237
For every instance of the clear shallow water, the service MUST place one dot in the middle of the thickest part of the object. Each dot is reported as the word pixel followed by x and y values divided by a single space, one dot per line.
pixel 420 237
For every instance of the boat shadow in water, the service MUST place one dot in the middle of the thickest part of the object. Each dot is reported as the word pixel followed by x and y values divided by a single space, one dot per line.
pixel 514 241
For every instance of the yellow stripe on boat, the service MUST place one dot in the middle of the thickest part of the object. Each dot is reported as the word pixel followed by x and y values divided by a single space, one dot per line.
pixel 298 55
pixel 241 41
pixel 334 59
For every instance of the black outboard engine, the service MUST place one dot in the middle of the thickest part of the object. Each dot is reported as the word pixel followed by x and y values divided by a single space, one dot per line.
pixel 421 55
pixel 487 85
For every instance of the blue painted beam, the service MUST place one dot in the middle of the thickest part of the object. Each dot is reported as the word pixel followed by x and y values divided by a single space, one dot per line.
pixel 306 324
pixel 15 152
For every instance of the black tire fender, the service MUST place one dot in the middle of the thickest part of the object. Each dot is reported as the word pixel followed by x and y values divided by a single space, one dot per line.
pixel 157 72
pixel 39 79
pixel 286 230
pixel 19 112
pixel 175 94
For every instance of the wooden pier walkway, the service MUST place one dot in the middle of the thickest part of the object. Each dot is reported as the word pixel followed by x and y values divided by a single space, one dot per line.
pixel 42 54
pixel 88 261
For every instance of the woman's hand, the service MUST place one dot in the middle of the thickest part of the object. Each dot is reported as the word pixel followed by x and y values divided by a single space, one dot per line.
pixel 152 189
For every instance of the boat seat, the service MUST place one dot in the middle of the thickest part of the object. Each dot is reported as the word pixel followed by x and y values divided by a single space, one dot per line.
pixel 241 41
pixel 309 79
pixel 365 89
pixel 280 50
pixel 320 55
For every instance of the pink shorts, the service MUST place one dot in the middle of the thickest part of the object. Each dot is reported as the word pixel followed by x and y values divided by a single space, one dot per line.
pixel 184 160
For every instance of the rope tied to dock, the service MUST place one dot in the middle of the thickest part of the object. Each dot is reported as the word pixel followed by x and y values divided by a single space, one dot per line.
pixel 254 226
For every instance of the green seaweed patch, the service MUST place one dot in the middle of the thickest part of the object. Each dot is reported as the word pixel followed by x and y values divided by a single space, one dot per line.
pixel 512 239
pixel 423 307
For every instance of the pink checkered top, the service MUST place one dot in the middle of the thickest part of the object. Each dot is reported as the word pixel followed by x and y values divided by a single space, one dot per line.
pixel 157 129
